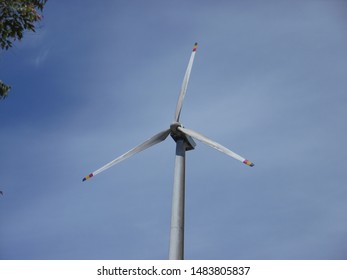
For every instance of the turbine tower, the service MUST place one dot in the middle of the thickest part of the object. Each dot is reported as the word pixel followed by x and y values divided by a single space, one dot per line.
pixel 184 142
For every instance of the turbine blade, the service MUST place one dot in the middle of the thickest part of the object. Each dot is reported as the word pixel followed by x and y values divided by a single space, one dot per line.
pixel 185 85
pixel 214 144
pixel 161 136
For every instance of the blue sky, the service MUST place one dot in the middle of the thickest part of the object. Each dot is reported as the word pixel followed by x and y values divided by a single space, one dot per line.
pixel 99 77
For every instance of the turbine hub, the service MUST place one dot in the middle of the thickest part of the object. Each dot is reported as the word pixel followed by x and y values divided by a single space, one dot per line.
pixel 174 128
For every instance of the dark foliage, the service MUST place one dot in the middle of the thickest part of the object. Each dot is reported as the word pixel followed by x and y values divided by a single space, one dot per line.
pixel 17 16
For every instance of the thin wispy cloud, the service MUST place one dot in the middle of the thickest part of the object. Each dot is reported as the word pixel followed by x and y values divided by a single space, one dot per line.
pixel 41 58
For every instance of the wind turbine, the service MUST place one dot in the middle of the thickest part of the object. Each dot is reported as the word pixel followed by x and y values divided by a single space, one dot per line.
pixel 184 142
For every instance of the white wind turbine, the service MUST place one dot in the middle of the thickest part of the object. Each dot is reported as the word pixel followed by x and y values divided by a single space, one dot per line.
pixel 184 142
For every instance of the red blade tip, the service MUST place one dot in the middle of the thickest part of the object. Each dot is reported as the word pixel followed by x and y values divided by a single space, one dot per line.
pixel 246 161
pixel 87 177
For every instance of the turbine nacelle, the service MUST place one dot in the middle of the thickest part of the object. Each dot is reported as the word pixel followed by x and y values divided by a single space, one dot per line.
pixel 177 135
